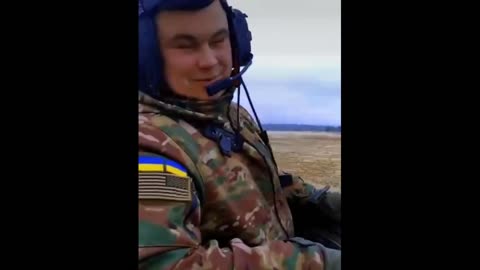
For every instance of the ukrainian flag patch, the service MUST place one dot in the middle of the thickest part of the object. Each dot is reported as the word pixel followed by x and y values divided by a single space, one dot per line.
pixel 160 164
pixel 162 179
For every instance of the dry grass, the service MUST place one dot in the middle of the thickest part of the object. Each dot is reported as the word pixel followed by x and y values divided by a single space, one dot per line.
pixel 315 156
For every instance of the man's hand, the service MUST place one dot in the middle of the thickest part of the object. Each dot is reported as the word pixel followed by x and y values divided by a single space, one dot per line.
pixel 325 206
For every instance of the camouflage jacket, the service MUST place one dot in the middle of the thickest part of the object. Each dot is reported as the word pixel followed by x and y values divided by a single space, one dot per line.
pixel 213 211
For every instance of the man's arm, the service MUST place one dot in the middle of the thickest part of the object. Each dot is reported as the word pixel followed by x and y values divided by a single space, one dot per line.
pixel 305 202
pixel 170 238
pixel 301 193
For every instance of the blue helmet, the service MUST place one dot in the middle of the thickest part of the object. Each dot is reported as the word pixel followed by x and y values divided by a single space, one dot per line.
pixel 151 78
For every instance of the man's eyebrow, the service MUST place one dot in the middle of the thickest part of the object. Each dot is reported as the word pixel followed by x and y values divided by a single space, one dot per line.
pixel 220 33
pixel 193 39
pixel 179 37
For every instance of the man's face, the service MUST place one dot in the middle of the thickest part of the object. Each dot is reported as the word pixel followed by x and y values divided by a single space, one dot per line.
pixel 195 46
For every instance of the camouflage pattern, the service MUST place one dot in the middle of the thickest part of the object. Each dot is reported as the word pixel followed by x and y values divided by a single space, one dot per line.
pixel 238 216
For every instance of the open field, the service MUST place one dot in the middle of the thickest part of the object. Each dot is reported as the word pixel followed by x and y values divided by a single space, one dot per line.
pixel 315 156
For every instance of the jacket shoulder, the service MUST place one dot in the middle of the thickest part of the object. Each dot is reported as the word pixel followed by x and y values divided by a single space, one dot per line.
pixel 163 136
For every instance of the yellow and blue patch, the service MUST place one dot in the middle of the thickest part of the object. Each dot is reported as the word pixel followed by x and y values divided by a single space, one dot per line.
pixel 160 164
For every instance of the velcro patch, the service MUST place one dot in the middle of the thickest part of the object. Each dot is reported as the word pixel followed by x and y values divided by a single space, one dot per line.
pixel 160 164
pixel 164 186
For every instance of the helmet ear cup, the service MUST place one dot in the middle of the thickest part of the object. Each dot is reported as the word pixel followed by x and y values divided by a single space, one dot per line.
pixel 243 37
pixel 240 35
pixel 149 59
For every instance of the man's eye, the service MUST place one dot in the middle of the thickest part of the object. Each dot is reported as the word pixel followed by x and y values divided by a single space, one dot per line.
pixel 185 46
pixel 218 41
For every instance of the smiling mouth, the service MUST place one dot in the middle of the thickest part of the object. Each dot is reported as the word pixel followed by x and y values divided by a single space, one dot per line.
pixel 207 80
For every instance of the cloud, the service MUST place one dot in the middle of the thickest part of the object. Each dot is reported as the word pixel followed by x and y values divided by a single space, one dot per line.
pixel 294 100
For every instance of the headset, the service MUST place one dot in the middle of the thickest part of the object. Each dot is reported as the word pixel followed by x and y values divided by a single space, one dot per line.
pixel 151 78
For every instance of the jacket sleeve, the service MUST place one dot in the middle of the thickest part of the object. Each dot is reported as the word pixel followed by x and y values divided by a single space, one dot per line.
pixel 300 194
pixel 170 238
pixel 295 188
pixel 306 201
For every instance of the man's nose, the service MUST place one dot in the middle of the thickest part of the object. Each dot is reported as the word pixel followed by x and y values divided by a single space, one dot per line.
pixel 207 58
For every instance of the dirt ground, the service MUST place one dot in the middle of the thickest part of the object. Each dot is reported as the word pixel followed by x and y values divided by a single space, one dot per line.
pixel 315 156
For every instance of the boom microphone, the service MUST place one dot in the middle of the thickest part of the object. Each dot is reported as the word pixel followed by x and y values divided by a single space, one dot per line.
pixel 218 86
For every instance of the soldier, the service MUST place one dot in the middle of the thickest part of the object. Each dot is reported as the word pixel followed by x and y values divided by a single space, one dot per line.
pixel 210 193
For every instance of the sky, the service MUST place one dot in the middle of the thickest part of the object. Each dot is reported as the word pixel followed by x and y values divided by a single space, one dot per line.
pixel 295 75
